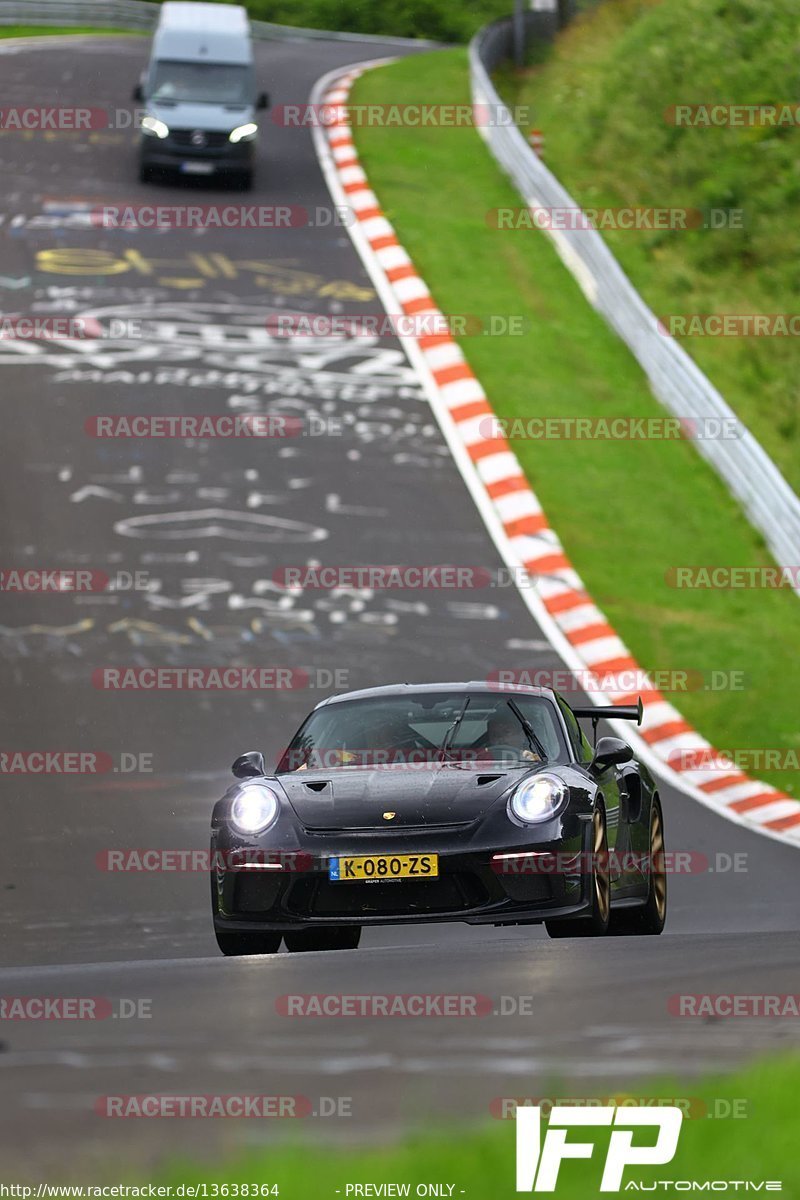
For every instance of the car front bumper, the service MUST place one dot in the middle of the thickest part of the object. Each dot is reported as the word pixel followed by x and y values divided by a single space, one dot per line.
pixel 473 886
pixel 168 154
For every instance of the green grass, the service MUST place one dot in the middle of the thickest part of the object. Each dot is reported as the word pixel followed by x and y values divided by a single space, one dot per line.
pixel 480 1159
pixel 13 31
pixel 600 101
pixel 626 511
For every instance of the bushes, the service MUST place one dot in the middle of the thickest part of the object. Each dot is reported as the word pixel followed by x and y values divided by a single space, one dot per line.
pixel 439 20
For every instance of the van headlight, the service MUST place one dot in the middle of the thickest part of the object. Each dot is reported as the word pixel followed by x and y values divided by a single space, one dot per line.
pixel 154 128
pixel 243 133
pixel 254 809
pixel 538 799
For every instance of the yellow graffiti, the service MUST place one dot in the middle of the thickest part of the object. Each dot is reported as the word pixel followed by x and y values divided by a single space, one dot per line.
pixel 196 270
pixel 64 135
pixel 57 630
pixel 138 630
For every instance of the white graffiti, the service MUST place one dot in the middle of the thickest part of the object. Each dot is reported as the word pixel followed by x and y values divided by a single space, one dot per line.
pixel 221 336
pixel 218 523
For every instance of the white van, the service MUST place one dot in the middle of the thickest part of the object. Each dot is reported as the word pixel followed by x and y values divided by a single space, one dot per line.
pixel 199 94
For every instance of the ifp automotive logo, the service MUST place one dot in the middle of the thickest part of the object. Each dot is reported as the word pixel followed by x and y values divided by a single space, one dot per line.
pixel 539 1160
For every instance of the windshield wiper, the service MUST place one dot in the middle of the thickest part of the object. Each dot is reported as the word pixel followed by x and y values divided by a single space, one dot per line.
pixel 452 731
pixel 529 731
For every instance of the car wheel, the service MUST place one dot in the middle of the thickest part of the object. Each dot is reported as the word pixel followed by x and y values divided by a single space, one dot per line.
pixel 343 937
pixel 234 943
pixel 597 923
pixel 650 917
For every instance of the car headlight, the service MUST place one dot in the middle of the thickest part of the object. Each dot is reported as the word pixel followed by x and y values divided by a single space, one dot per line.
pixel 154 128
pixel 538 799
pixel 254 809
pixel 243 133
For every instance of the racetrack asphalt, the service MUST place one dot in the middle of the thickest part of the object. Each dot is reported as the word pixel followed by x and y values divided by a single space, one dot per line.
pixel 204 520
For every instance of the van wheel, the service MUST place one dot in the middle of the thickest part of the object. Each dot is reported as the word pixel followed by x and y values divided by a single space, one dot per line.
pixel 145 174
pixel 246 181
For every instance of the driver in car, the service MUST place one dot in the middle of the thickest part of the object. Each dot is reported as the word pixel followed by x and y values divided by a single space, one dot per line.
pixel 504 731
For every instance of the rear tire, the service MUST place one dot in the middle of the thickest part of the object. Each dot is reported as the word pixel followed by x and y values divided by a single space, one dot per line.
pixel 597 923
pixel 234 943
pixel 651 917
pixel 343 937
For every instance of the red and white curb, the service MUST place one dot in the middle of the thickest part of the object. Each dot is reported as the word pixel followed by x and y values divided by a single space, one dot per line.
pixel 554 592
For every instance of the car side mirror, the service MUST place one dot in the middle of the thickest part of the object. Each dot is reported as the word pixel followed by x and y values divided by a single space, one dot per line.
pixel 250 765
pixel 263 100
pixel 610 752
pixel 138 93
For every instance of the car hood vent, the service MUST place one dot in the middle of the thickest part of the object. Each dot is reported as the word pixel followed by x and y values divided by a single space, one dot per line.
pixel 361 797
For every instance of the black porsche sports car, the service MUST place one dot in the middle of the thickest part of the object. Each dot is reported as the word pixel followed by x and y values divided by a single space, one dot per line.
pixel 438 802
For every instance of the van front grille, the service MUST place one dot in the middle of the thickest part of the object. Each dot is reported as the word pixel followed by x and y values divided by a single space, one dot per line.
pixel 213 139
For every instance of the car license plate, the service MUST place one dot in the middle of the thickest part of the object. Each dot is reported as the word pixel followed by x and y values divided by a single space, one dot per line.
pixel 197 168
pixel 376 868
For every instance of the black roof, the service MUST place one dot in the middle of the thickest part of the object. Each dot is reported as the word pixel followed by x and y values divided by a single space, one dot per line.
pixel 404 689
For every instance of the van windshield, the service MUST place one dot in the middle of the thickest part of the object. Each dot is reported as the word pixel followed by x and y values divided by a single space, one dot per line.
pixel 200 83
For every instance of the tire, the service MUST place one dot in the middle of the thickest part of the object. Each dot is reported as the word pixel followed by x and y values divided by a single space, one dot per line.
pixel 343 937
pixel 145 173
pixel 234 943
pixel 245 181
pixel 651 917
pixel 597 923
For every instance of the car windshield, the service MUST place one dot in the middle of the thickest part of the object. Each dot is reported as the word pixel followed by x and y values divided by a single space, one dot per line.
pixel 428 727
pixel 174 82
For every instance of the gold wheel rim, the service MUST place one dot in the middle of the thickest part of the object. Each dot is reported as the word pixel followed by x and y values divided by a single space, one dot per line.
pixel 657 864
pixel 602 880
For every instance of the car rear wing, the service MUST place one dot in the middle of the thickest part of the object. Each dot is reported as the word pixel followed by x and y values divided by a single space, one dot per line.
pixel 610 712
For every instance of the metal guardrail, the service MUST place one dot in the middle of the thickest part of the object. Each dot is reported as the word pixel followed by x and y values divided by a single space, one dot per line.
pixel 143 14
pixel 748 471
pixel 130 14
pixel 677 382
